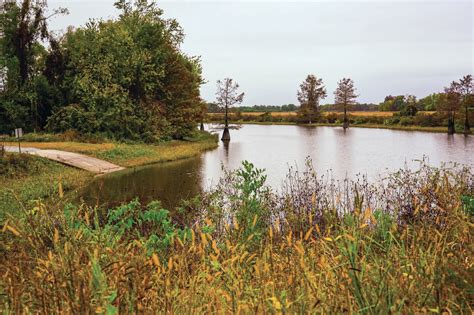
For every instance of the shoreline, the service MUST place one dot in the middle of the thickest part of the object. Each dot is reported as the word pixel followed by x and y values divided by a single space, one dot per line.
pixel 52 181
pixel 367 126
pixel 130 155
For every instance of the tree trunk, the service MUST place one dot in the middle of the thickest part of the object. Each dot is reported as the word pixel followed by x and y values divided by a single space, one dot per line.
pixel 226 133
pixel 345 125
pixel 226 118
pixel 202 126
pixel 451 129
pixel 467 127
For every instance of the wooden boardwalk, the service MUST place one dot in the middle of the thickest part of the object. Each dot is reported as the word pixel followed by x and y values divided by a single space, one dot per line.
pixel 73 159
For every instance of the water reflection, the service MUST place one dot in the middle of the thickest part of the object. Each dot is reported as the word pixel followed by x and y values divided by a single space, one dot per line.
pixel 169 183
pixel 226 145
pixel 372 152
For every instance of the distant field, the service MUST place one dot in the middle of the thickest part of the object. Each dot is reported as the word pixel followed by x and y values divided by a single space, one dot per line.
pixel 278 114
pixel 357 113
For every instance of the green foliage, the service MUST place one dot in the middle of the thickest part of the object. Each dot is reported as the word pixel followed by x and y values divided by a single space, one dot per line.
pixel 409 109
pixel 20 165
pixel 411 255
pixel 393 103
pixel 250 187
pixel 102 294
pixel 430 102
pixel 151 225
pixel 468 204
pixel 27 98
pixel 130 79
pixel 123 79
pixel 125 152
pixel 406 121
pixel 311 92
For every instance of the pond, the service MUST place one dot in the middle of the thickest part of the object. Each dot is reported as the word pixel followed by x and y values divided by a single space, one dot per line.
pixel 339 153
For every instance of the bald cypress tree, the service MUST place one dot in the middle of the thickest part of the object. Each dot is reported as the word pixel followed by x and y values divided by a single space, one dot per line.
pixel 311 91
pixel 345 95
pixel 228 95
pixel 465 89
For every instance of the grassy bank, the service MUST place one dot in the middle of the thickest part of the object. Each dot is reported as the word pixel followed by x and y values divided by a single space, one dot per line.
pixel 25 179
pixel 400 246
pixel 130 155
pixel 373 126
pixel 422 121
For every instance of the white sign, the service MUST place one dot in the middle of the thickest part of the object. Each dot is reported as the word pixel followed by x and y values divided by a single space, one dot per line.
pixel 18 133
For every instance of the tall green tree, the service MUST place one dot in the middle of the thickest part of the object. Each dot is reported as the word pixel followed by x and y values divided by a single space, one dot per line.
pixel 311 91
pixel 25 100
pixel 409 107
pixel 465 90
pixel 345 95
pixel 430 102
pixel 127 78
pixel 450 104
pixel 23 26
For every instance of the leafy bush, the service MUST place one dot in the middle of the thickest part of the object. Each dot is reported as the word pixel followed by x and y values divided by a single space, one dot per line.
pixel 392 121
pixel 406 121
pixel 151 225
pixel 468 204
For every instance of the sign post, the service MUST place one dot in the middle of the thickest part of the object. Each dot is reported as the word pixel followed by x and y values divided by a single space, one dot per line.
pixel 18 135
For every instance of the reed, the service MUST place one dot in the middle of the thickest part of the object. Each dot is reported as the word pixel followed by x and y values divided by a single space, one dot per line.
pixel 403 245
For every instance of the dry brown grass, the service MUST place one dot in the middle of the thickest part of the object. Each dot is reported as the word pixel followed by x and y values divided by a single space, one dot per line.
pixel 417 259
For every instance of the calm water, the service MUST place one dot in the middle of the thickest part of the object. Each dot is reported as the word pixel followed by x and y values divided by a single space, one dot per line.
pixel 373 152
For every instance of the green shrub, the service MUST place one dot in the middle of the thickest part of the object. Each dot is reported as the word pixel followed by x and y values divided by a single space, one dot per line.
pixel 468 204
pixel 406 121
pixel 391 121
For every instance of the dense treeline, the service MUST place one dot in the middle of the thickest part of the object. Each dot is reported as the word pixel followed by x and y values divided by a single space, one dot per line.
pixel 215 108
pixel 125 78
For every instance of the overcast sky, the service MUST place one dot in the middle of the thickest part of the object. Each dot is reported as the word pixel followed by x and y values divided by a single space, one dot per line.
pixel 386 47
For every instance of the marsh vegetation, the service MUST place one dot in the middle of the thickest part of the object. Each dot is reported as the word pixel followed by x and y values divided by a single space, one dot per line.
pixel 401 245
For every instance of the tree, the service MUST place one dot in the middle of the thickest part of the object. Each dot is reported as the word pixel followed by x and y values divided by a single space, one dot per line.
pixel 26 95
pixel 126 78
pixel 227 95
pixel 430 102
pixel 465 90
pixel 410 107
pixel 311 91
pixel 450 104
pixel 345 95
pixel 393 103
pixel 24 26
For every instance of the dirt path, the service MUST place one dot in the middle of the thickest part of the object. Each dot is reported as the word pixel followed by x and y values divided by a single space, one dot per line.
pixel 73 159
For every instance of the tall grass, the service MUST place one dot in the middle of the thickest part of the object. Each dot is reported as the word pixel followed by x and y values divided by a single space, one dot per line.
pixel 403 245
pixel 25 178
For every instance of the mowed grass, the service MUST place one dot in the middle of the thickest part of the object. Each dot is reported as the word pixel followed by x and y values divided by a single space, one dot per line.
pixel 130 155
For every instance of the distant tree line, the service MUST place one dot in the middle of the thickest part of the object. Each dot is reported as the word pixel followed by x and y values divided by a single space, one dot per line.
pixel 456 104
pixel 216 108
pixel 124 78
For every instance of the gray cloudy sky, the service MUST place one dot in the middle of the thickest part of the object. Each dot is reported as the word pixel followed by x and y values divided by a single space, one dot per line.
pixel 387 47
